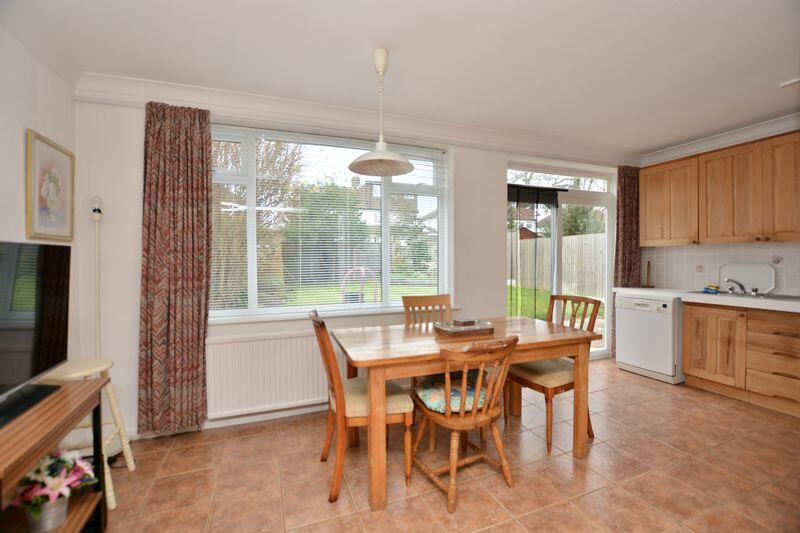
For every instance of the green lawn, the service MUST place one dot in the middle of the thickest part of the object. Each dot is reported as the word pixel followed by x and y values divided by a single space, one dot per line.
pixel 525 297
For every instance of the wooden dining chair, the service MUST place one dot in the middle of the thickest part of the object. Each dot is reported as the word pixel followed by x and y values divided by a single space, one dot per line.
pixel 348 406
pixel 554 376
pixel 422 312
pixel 463 401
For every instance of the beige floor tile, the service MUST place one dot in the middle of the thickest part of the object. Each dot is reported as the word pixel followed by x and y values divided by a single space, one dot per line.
pixel 191 459
pixel 716 483
pixel 691 434
pixel 787 487
pixel 183 490
pixel 253 428
pixel 256 511
pixel 198 438
pixel 768 510
pixel 512 526
pixel 307 503
pixel 249 449
pixel 669 495
pixel 530 492
pixel 192 519
pixel 409 514
pixel 647 450
pixel 562 436
pixel 723 519
pixel 567 475
pixel 619 510
pixel 305 465
pixel 341 524
pixel 751 460
pixel 612 463
pixel 240 479
pixel 561 518
pixel 158 444
pixel 605 428
pixel 475 508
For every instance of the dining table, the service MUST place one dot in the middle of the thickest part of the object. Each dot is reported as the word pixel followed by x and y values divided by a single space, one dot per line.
pixel 400 351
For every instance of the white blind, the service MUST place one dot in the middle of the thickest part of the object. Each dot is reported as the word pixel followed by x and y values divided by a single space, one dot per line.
pixel 293 228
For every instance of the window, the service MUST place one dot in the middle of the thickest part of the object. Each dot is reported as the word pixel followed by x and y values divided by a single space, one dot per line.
pixel 18 264
pixel 556 181
pixel 293 228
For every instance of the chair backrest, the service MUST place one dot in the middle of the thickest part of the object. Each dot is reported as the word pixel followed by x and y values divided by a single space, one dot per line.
pixel 329 361
pixel 579 309
pixel 427 309
pixel 492 360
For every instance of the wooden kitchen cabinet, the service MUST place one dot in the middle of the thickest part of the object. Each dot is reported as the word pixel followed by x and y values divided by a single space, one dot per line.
pixel 668 209
pixel 773 360
pixel 730 195
pixel 782 187
pixel 714 344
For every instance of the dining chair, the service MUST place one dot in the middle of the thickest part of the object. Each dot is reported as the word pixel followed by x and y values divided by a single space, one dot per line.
pixel 348 406
pixel 422 312
pixel 462 400
pixel 554 376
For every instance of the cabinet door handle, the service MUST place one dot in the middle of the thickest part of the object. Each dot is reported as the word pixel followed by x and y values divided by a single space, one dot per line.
pixel 766 238
pixel 741 315
pixel 758 238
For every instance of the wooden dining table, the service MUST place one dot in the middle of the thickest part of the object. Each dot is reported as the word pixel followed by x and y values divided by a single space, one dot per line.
pixel 399 351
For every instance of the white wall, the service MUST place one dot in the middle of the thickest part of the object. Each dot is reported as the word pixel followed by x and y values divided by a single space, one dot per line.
pixel 110 153
pixel 33 96
pixel 691 267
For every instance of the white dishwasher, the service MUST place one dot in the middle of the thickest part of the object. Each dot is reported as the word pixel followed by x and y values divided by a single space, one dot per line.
pixel 648 335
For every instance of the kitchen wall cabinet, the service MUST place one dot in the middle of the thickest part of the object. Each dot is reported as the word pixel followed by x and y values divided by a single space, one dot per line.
pixel 782 188
pixel 714 345
pixel 746 193
pixel 730 196
pixel 668 204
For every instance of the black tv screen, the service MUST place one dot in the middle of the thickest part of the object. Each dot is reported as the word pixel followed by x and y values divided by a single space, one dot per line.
pixel 34 311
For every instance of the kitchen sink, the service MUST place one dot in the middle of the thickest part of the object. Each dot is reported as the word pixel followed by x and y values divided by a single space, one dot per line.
pixel 764 296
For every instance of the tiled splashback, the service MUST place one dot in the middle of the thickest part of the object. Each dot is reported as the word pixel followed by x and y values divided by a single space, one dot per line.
pixel 691 267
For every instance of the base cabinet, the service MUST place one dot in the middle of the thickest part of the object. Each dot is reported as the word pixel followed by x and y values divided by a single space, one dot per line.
pixel 747 354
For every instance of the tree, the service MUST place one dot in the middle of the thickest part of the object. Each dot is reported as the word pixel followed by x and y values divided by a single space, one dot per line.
pixel 581 220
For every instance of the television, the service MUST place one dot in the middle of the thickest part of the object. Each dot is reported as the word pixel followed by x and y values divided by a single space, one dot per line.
pixel 34 313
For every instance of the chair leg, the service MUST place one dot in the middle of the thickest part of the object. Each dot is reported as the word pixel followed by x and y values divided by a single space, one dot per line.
pixel 420 434
pixel 451 488
pixel 589 424
pixel 338 468
pixel 548 401
pixel 464 438
pixel 326 446
pixel 407 455
pixel 432 438
pixel 506 398
pixel 111 498
pixel 483 435
pixel 498 443
pixel 124 441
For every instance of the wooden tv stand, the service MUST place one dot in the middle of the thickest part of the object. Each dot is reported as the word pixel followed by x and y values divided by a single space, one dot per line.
pixel 38 431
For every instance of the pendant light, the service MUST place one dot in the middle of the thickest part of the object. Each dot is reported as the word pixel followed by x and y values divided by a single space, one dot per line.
pixel 381 161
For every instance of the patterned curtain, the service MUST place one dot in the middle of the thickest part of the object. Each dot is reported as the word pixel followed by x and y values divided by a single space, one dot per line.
pixel 628 257
pixel 176 266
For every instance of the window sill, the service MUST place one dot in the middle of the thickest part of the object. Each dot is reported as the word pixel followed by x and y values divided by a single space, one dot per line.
pixel 303 315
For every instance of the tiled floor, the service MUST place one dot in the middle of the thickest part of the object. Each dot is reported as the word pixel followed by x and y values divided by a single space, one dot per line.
pixel 665 458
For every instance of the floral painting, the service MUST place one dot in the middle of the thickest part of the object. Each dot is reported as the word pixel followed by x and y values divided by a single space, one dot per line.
pixel 50 171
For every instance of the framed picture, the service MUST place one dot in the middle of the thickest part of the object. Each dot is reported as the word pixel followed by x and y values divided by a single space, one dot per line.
pixel 49 188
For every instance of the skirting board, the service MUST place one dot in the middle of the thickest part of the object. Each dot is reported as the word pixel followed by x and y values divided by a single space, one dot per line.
pixel 776 404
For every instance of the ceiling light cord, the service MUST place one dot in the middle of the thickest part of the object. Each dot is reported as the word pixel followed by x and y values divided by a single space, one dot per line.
pixel 380 106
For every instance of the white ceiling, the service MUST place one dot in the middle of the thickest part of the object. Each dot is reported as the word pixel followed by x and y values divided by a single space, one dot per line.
pixel 637 75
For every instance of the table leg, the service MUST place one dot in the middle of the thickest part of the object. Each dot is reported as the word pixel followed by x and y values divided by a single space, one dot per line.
pixel 352 433
pixel 99 466
pixel 514 398
pixel 580 420
pixel 376 438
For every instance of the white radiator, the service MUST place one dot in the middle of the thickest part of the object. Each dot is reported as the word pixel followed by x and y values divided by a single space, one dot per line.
pixel 252 374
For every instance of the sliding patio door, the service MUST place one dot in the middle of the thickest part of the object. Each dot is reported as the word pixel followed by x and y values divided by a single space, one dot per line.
pixel 559 242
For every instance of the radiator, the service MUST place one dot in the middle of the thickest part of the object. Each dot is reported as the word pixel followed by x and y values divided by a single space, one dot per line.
pixel 253 374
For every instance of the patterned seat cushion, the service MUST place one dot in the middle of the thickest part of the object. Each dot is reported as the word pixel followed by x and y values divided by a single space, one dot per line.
pixel 548 373
pixel 431 390
pixel 356 401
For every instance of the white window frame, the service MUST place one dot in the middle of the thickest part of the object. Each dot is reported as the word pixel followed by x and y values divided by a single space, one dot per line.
pixel 247 177
pixel 9 318
pixel 606 199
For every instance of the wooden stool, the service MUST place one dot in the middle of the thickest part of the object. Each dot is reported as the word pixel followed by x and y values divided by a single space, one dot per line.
pixel 81 368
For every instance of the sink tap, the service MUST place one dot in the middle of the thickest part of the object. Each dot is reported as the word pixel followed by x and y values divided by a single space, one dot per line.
pixel 732 290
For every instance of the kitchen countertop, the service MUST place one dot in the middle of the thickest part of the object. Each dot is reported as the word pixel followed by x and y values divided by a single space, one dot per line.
pixel 687 296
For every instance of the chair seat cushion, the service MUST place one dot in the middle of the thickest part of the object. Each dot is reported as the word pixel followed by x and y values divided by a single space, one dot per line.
pixel 431 390
pixel 548 373
pixel 356 399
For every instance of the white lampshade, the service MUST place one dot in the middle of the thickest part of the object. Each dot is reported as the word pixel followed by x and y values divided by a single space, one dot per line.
pixel 381 162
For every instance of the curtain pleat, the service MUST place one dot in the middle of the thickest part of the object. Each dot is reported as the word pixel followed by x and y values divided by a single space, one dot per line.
pixel 628 256
pixel 176 269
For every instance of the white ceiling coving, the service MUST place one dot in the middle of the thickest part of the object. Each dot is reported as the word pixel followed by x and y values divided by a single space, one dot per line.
pixel 636 75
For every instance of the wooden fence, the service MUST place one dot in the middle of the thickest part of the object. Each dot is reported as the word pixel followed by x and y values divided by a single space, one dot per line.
pixel 583 268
